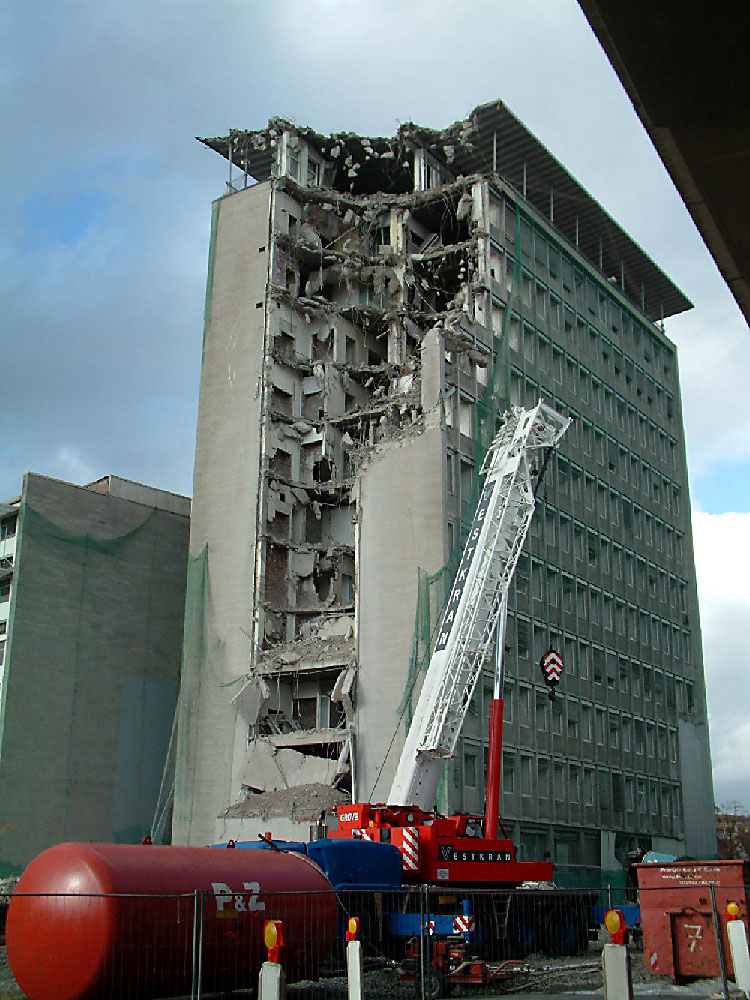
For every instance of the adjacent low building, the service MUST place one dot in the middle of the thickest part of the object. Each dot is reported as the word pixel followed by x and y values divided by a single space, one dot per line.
pixel 92 597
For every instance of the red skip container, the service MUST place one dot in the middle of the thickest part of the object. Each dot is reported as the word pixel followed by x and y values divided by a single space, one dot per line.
pixel 677 917
pixel 96 921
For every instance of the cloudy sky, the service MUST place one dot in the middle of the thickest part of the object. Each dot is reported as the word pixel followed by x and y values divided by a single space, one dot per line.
pixel 105 207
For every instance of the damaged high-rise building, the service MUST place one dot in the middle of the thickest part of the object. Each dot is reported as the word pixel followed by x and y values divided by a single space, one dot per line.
pixel 373 306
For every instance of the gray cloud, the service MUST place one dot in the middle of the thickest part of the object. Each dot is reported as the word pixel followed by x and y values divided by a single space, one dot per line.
pixel 722 550
pixel 105 200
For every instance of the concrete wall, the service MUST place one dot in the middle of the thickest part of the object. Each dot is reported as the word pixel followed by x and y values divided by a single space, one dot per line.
pixel 697 791
pixel 93 668
pixel 226 479
pixel 148 495
pixel 401 528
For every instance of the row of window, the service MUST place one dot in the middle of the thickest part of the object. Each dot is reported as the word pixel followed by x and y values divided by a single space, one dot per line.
pixel 582 487
pixel 617 509
pixel 589 723
pixel 8 528
pixel 301 165
pixel 572 536
pixel 603 448
pixel 546 778
pixel 597 552
pixel 530 640
pixel 591 299
pixel 585 489
pixel 544 356
pixel 590 660
pixel 539 350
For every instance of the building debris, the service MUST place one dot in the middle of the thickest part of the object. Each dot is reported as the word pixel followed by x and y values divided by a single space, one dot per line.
pixel 304 803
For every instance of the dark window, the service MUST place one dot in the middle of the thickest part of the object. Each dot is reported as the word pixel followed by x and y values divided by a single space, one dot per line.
pixel 305 712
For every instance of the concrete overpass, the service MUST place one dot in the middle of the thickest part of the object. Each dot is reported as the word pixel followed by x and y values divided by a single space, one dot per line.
pixel 684 65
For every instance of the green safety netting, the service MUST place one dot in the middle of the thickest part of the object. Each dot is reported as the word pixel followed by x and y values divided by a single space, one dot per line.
pixel 204 666
pixel 93 638
pixel 194 654
pixel 611 880
pixel 210 276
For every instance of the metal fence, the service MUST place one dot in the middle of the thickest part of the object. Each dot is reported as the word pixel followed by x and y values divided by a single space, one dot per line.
pixel 423 942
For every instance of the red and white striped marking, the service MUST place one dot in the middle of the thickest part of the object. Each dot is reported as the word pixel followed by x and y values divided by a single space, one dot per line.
pixel 552 665
pixel 364 834
pixel 463 925
pixel 410 849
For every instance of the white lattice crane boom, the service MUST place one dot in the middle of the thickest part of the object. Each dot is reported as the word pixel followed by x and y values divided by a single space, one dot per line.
pixel 512 470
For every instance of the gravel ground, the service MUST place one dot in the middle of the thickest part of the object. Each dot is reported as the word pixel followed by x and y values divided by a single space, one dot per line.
pixel 8 987
pixel 545 975
pixel 538 974
pixel 541 976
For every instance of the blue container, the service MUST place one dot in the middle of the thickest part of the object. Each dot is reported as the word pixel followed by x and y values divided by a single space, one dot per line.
pixel 348 864
pixel 357 864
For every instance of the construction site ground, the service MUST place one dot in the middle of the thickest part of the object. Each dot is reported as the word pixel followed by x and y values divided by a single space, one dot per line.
pixel 579 977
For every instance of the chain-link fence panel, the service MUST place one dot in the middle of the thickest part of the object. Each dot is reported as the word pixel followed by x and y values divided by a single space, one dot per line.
pixel 422 942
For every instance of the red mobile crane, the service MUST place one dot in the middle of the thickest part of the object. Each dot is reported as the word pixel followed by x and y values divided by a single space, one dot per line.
pixel 450 850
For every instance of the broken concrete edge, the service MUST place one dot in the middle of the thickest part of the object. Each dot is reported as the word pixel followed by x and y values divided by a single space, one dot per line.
pixel 348 160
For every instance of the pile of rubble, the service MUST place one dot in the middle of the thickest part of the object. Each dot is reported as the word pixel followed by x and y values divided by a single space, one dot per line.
pixel 301 803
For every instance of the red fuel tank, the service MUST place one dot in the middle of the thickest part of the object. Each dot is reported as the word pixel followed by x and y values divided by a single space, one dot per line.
pixel 96 921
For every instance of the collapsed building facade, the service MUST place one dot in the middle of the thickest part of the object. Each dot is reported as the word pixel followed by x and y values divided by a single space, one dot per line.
pixel 373 306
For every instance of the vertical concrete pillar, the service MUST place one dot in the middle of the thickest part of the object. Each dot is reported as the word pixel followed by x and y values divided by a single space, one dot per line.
pixel 433 374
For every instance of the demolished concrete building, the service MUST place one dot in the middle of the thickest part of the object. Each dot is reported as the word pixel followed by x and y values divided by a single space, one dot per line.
pixel 373 305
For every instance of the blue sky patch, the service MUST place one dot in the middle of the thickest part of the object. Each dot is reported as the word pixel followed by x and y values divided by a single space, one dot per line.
pixel 724 489
pixel 64 218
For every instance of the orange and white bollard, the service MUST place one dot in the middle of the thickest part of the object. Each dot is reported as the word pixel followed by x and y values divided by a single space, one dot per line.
pixel 354 960
pixel 738 947
pixel 272 979
pixel 618 984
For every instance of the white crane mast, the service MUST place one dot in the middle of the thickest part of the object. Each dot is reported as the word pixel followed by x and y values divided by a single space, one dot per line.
pixel 512 469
